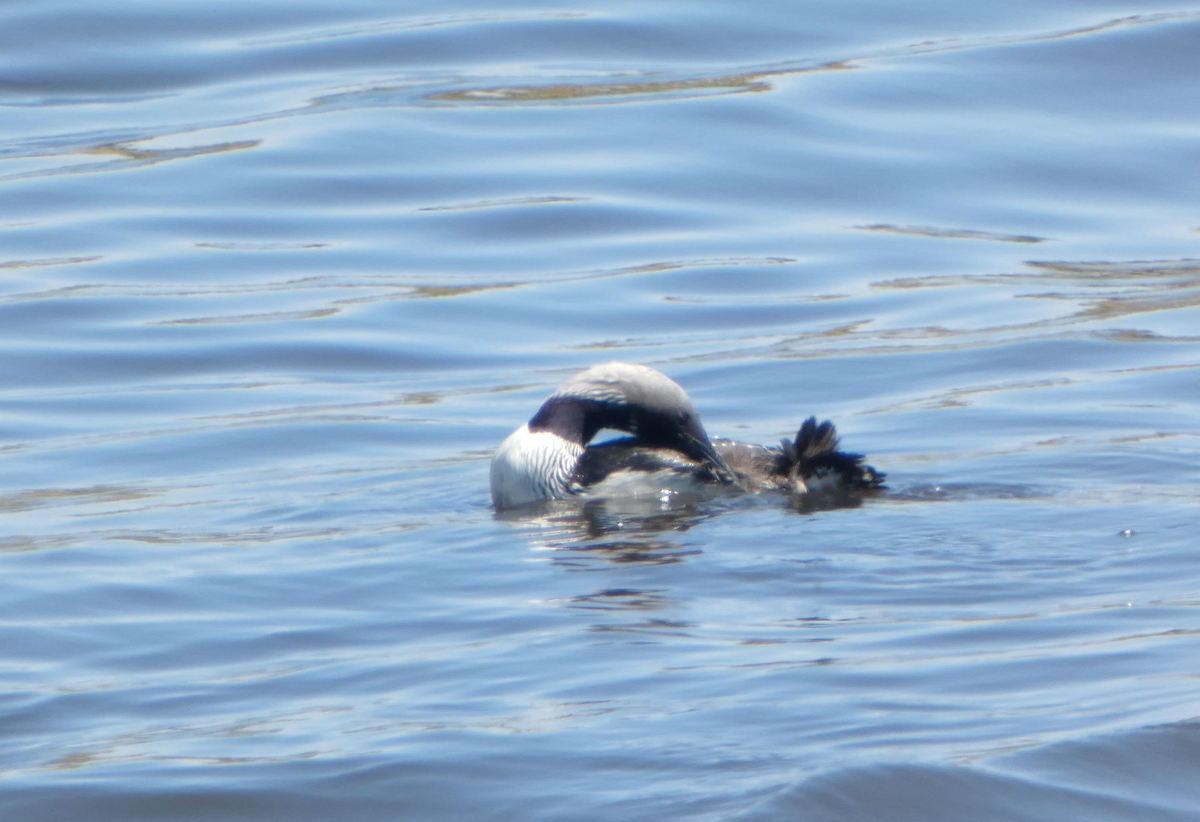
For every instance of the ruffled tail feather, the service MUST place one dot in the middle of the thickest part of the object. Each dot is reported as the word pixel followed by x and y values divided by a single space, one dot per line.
pixel 813 464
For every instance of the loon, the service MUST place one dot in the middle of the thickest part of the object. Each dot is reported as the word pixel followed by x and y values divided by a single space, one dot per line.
pixel 552 456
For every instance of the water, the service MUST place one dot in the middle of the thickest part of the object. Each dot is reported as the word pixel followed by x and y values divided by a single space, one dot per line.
pixel 274 281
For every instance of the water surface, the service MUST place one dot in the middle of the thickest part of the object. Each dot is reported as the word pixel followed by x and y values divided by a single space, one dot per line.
pixel 274 282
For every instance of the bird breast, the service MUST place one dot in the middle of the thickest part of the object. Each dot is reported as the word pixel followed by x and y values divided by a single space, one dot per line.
pixel 531 466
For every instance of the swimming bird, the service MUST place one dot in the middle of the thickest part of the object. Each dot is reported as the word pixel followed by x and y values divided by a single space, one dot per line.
pixel 666 451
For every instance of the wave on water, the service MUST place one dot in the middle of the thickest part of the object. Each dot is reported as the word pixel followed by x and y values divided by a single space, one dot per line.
pixel 1147 775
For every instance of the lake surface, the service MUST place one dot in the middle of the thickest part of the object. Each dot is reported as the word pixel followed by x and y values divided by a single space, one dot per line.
pixel 276 278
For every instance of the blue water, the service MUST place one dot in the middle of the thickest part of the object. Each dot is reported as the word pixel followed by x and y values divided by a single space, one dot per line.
pixel 276 278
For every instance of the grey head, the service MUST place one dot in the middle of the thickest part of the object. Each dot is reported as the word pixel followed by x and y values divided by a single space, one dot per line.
pixel 644 403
